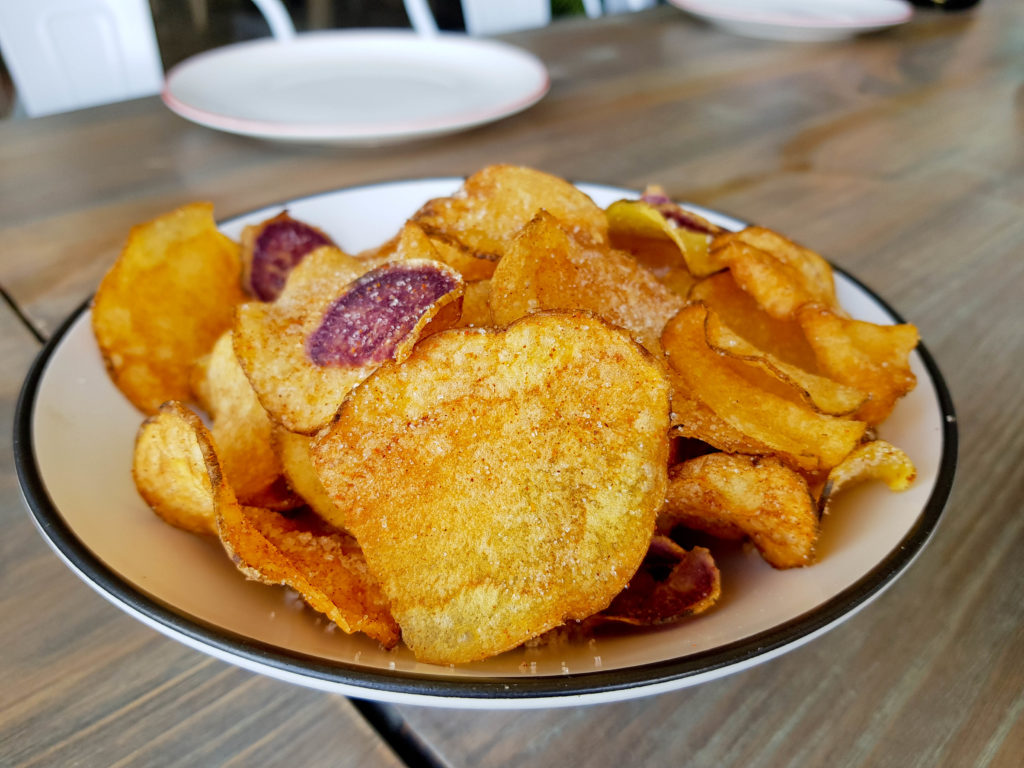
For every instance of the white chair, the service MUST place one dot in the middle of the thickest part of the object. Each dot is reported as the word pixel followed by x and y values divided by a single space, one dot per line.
pixel 67 54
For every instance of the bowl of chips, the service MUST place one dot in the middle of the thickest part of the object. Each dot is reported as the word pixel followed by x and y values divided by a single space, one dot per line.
pixel 499 441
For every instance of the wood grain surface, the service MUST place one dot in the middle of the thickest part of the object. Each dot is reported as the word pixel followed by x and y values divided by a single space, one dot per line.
pixel 899 155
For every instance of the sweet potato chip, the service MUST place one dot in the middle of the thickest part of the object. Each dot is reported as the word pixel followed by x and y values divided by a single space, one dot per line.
pixel 272 249
pixel 876 460
pixel 872 358
pixel 732 496
pixel 744 398
pixel 322 564
pixel 545 267
pixel 502 481
pixel 169 296
pixel 478 221
pixel 172 466
pixel 333 326
pixel 671 584
pixel 241 429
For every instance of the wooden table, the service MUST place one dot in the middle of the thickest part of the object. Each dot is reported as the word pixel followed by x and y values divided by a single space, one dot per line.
pixel 899 155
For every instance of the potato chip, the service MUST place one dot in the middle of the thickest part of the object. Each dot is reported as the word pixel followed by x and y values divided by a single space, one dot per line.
pixel 822 394
pixel 272 249
pixel 172 463
pixel 169 296
pixel 241 430
pixel 733 496
pixel 671 584
pixel 474 226
pixel 783 339
pixel 659 241
pixel 293 451
pixel 322 564
pixel 876 460
pixel 545 267
pixel 872 358
pixel 334 325
pixel 502 481
pixel 779 273
pixel 476 308
pixel 745 399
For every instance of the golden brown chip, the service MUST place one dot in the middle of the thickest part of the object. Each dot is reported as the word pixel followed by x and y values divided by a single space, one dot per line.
pixel 476 309
pixel 658 241
pixel 822 394
pixel 783 339
pixel 748 401
pixel 169 296
pixel 272 249
pixel 877 460
pixel 334 325
pixel 546 267
pixel 872 358
pixel 241 430
pixel 671 584
pixel 172 466
pixel 322 564
pixel 502 481
pixel 472 228
pixel 293 450
pixel 732 496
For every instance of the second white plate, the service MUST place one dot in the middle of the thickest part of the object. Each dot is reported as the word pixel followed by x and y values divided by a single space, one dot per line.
pixel 355 86
pixel 799 20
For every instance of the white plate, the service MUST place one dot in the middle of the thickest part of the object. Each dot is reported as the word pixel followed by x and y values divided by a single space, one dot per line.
pixel 799 20
pixel 355 86
pixel 73 448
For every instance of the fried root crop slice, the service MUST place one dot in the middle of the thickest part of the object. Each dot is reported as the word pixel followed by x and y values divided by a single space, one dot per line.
pixel 546 267
pixel 172 466
pixel 671 584
pixel 502 481
pixel 241 429
pixel 321 563
pixel 167 299
pixel 741 396
pixel 272 249
pixel 734 496
pixel 876 460
pixel 333 325
pixel 477 222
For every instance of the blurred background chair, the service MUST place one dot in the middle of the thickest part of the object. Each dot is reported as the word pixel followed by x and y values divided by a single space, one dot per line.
pixel 69 54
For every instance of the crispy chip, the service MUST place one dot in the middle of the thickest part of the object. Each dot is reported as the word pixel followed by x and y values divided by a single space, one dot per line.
pixel 272 249
pixel 333 326
pixel 322 564
pixel 293 450
pixel 172 464
pixel 476 224
pixel 783 339
pixel 872 358
pixel 476 309
pixel 732 496
pixel 744 398
pixel 494 500
pixel 822 394
pixel 876 460
pixel 169 296
pixel 240 429
pixel 780 274
pixel 547 268
pixel 671 584
pixel 658 241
